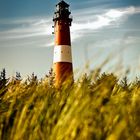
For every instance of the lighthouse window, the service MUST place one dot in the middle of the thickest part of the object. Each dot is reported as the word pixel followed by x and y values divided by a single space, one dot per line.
pixel 57 15
pixel 66 8
pixel 57 8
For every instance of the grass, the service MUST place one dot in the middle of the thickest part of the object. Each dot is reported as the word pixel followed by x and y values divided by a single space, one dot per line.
pixel 95 107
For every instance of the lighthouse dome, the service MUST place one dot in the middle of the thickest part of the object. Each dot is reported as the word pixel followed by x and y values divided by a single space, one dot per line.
pixel 62 4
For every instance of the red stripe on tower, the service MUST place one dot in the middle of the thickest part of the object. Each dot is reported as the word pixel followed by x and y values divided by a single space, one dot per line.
pixel 62 51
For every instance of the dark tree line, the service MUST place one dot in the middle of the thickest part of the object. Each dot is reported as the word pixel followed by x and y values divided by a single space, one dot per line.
pixel 3 79
pixel 4 82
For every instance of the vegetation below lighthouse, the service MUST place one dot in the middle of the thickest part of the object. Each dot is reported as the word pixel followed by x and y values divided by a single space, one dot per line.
pixel 95 107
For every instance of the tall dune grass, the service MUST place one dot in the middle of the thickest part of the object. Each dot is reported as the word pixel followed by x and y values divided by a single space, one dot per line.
pixel 95 107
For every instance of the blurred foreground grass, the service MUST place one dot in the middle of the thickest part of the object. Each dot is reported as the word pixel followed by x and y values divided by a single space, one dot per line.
pixel 96 107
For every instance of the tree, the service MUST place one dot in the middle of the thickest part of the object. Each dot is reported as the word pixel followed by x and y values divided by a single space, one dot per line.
pixel 32 79
pixel 3 79
pixel 18 76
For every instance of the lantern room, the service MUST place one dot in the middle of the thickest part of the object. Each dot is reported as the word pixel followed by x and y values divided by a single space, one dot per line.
pixel 62 13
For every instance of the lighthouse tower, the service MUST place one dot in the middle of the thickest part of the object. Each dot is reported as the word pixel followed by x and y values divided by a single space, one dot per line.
pixel 62 61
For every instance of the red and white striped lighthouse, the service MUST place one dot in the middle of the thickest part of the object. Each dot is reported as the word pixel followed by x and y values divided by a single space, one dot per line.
pixel 62 61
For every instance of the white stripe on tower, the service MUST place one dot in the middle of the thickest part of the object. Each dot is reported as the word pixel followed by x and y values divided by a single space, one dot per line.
pixel 62 53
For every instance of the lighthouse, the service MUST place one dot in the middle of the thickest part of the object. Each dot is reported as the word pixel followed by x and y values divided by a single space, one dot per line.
pixel 62 59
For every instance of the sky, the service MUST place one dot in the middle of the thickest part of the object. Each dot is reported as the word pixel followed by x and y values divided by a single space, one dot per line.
pixel 104 33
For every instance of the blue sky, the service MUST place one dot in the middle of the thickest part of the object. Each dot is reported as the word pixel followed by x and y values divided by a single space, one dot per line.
pixel 101 29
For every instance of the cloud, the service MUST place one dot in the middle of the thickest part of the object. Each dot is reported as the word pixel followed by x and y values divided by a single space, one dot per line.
pixel 90 21
pixel 38 31
pixel 106 19
pixel 28 33
pixel 131 40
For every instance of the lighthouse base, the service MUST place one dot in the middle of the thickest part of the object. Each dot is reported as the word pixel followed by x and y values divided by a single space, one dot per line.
pixel 63 73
